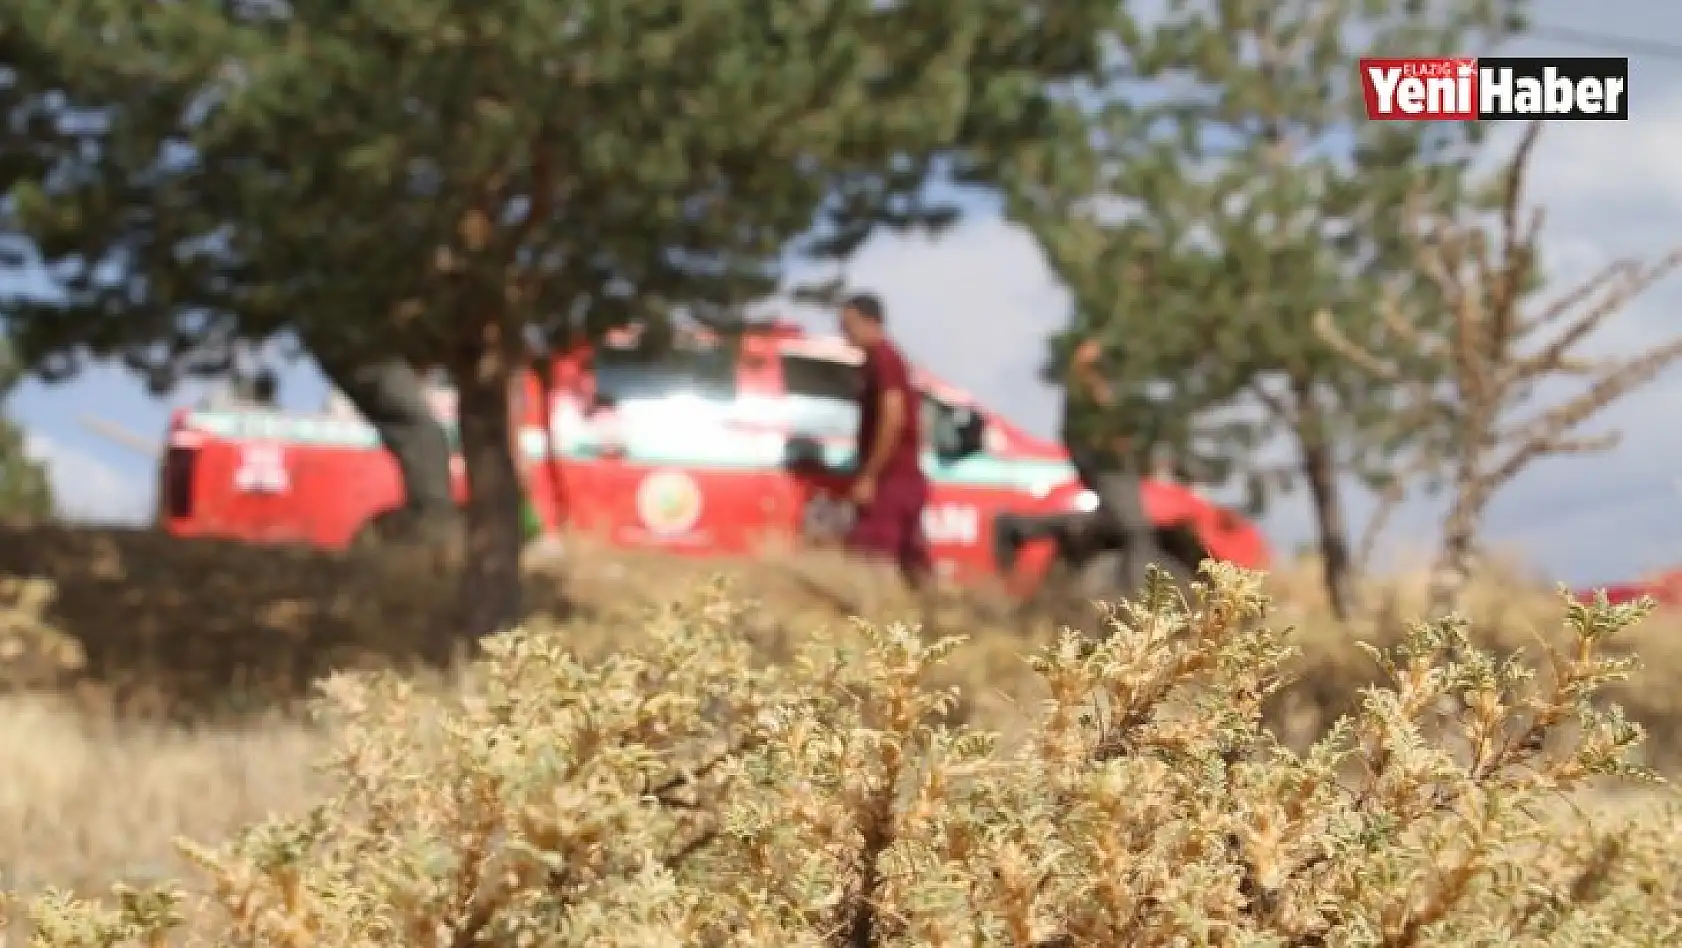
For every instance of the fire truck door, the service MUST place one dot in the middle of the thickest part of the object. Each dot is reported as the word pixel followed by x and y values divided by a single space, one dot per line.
pixel 669 456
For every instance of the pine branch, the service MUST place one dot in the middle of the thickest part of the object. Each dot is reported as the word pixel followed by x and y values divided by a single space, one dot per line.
pixel 1334 338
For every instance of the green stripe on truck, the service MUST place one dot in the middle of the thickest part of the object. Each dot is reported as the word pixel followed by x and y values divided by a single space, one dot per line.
pixel 743 452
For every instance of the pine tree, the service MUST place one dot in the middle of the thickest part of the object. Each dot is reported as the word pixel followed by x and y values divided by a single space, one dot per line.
pixel 430 180
pixel 1225 188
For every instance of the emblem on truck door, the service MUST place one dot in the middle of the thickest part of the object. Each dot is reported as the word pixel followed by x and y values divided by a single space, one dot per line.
pixel 669 503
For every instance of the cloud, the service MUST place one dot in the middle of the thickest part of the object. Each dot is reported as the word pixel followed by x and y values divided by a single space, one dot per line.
pixel 86 489
pixel 1580 157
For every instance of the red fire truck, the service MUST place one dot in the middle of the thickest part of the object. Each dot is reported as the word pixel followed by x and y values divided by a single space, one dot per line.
pixel 687 451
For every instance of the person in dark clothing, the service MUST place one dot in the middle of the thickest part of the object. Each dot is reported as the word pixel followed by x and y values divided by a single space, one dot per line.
pixel 889 487
pixel 1094 448
pixel 1110 464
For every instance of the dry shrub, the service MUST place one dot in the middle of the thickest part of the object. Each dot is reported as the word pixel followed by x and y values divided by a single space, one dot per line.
pixel 678 794
pixel 34 653
pixel 1508 608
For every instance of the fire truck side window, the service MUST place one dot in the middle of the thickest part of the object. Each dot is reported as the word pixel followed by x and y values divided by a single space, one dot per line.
pixel 934 414
pixel 624 376
pixel 820 397
pixel 665 401
pixel 822 400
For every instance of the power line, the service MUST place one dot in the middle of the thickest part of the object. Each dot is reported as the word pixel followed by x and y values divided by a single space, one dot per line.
pixel 1606 42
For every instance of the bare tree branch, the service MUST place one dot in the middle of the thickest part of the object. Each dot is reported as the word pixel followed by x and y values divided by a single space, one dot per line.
pixel 1391 315
pixel 1577 366
pixel 1563 444
pixel 1551 430
pixel 1389 501
pixel 1620 282
pixel 1573 300
pixel 1505 282
pixel 1587 444
pixel 1494 360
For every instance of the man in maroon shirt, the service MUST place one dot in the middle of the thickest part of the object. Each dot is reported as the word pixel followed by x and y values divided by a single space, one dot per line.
pixel 888 486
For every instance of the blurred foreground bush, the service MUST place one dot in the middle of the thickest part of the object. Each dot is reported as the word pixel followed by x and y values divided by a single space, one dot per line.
pixel 33 652
pixel 682 793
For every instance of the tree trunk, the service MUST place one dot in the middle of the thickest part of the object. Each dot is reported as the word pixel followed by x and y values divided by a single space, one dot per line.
pixel 490 576
pixel 1320 470
pixel 1452 572
pixel 1321 473
pixel 389 395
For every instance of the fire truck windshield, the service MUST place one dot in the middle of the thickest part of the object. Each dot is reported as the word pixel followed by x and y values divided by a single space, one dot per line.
pixel 623 376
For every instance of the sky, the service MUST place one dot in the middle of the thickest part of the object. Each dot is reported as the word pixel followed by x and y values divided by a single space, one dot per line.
pixel 1610 189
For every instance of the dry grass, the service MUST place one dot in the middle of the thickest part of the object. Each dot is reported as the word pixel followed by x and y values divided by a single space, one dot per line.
pixel 86 801
pixel 162 677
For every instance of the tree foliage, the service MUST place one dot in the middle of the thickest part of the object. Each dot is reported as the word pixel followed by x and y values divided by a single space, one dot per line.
pixel 432 179
pixel 25 490
pixel 25 70
pixel 1226 187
